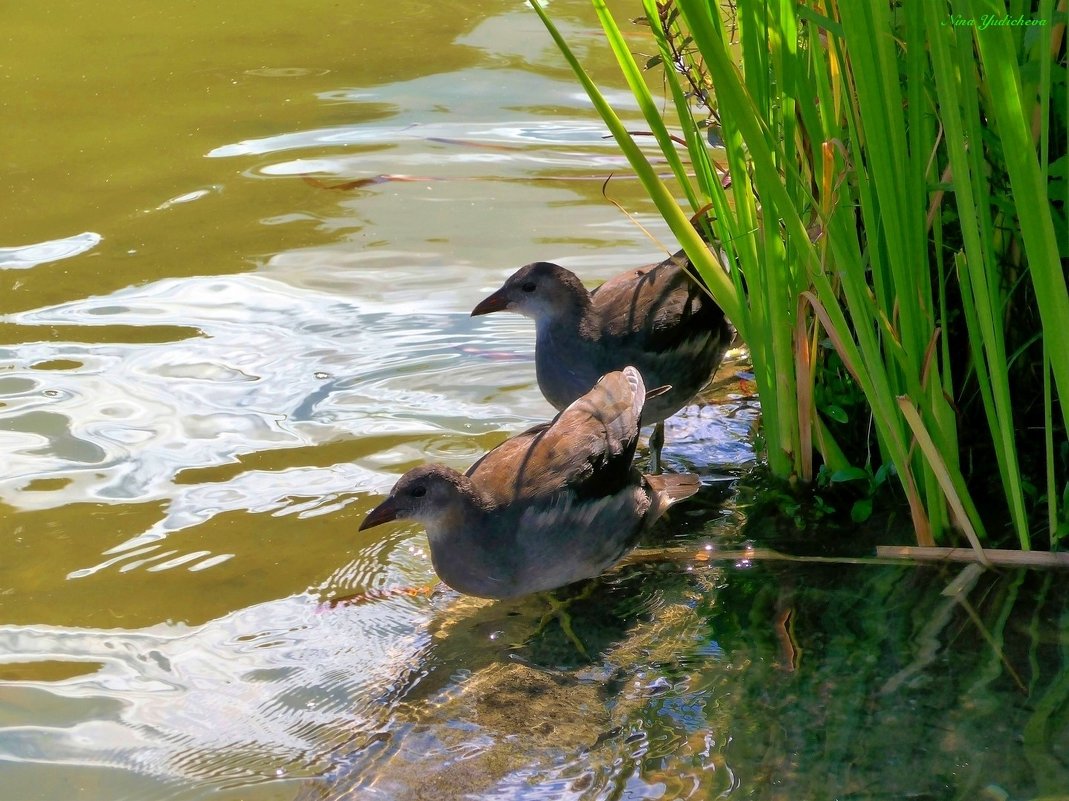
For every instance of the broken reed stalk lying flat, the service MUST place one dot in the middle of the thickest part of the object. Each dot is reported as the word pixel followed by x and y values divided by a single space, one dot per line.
pixel 897 555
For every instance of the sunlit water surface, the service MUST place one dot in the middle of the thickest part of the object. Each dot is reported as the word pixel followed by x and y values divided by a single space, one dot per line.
pixel 238 251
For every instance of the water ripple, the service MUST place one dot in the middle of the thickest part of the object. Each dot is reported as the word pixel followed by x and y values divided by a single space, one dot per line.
pixel 26 256
pixel 276 367
pixel 541 132
pixel 266 691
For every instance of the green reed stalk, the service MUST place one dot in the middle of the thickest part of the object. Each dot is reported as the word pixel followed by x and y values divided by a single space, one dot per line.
pixel 719 284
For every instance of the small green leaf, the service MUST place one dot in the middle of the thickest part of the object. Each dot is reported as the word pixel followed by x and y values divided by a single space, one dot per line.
pixel 861 510
pixel 849 474
pixel 836 413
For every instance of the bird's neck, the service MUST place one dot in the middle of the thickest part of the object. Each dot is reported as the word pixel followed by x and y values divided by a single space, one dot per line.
pixel 566 360
pixel 466 506
pixel 468 551
pixel 576 318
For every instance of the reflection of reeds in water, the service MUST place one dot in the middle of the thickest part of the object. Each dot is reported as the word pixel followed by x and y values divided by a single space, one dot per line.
pixel 772 679
pixel 766 679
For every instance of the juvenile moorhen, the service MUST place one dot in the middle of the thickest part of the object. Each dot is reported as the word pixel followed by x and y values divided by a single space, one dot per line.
pixel 655 318
pixel 556 504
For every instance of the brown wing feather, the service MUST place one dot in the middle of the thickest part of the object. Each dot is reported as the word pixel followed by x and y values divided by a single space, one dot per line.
pixel 658 305
pixel 587 448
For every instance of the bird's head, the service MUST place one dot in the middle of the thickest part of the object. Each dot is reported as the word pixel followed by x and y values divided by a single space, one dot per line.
pixel 542 291
pixel 426 494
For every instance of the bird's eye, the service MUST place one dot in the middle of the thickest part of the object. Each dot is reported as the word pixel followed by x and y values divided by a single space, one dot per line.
pixel 418 492
pixel 529 286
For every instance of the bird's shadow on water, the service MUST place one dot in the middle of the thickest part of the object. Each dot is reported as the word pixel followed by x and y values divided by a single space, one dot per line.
pixel 529 631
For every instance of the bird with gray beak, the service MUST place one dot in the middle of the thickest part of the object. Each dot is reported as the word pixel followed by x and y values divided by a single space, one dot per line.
pixel 556 504
pixel 655 318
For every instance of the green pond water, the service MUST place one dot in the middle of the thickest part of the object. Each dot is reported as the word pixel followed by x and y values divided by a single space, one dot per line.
pixel 238 247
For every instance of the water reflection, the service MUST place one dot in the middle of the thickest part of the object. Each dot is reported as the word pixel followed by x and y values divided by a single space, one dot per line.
pixel 709 680
pixel 199 402
pixel 26 256
pixel 366 693
pixel 274 367
pixel 488 134
pixel 267 691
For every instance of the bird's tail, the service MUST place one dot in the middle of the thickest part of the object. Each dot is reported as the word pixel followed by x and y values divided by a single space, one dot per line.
pixel 669 488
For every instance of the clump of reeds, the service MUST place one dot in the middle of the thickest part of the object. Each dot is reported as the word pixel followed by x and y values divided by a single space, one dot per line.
pixel 889 196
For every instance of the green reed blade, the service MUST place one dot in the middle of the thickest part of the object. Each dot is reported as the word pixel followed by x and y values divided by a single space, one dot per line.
pixel 719 284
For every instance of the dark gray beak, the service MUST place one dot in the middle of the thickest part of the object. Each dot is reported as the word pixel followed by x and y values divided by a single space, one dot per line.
pixel 494 303
pixel 383 513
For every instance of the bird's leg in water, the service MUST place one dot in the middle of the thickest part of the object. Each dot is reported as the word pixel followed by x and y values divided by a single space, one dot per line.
pixel 656 443
pixel 559 610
